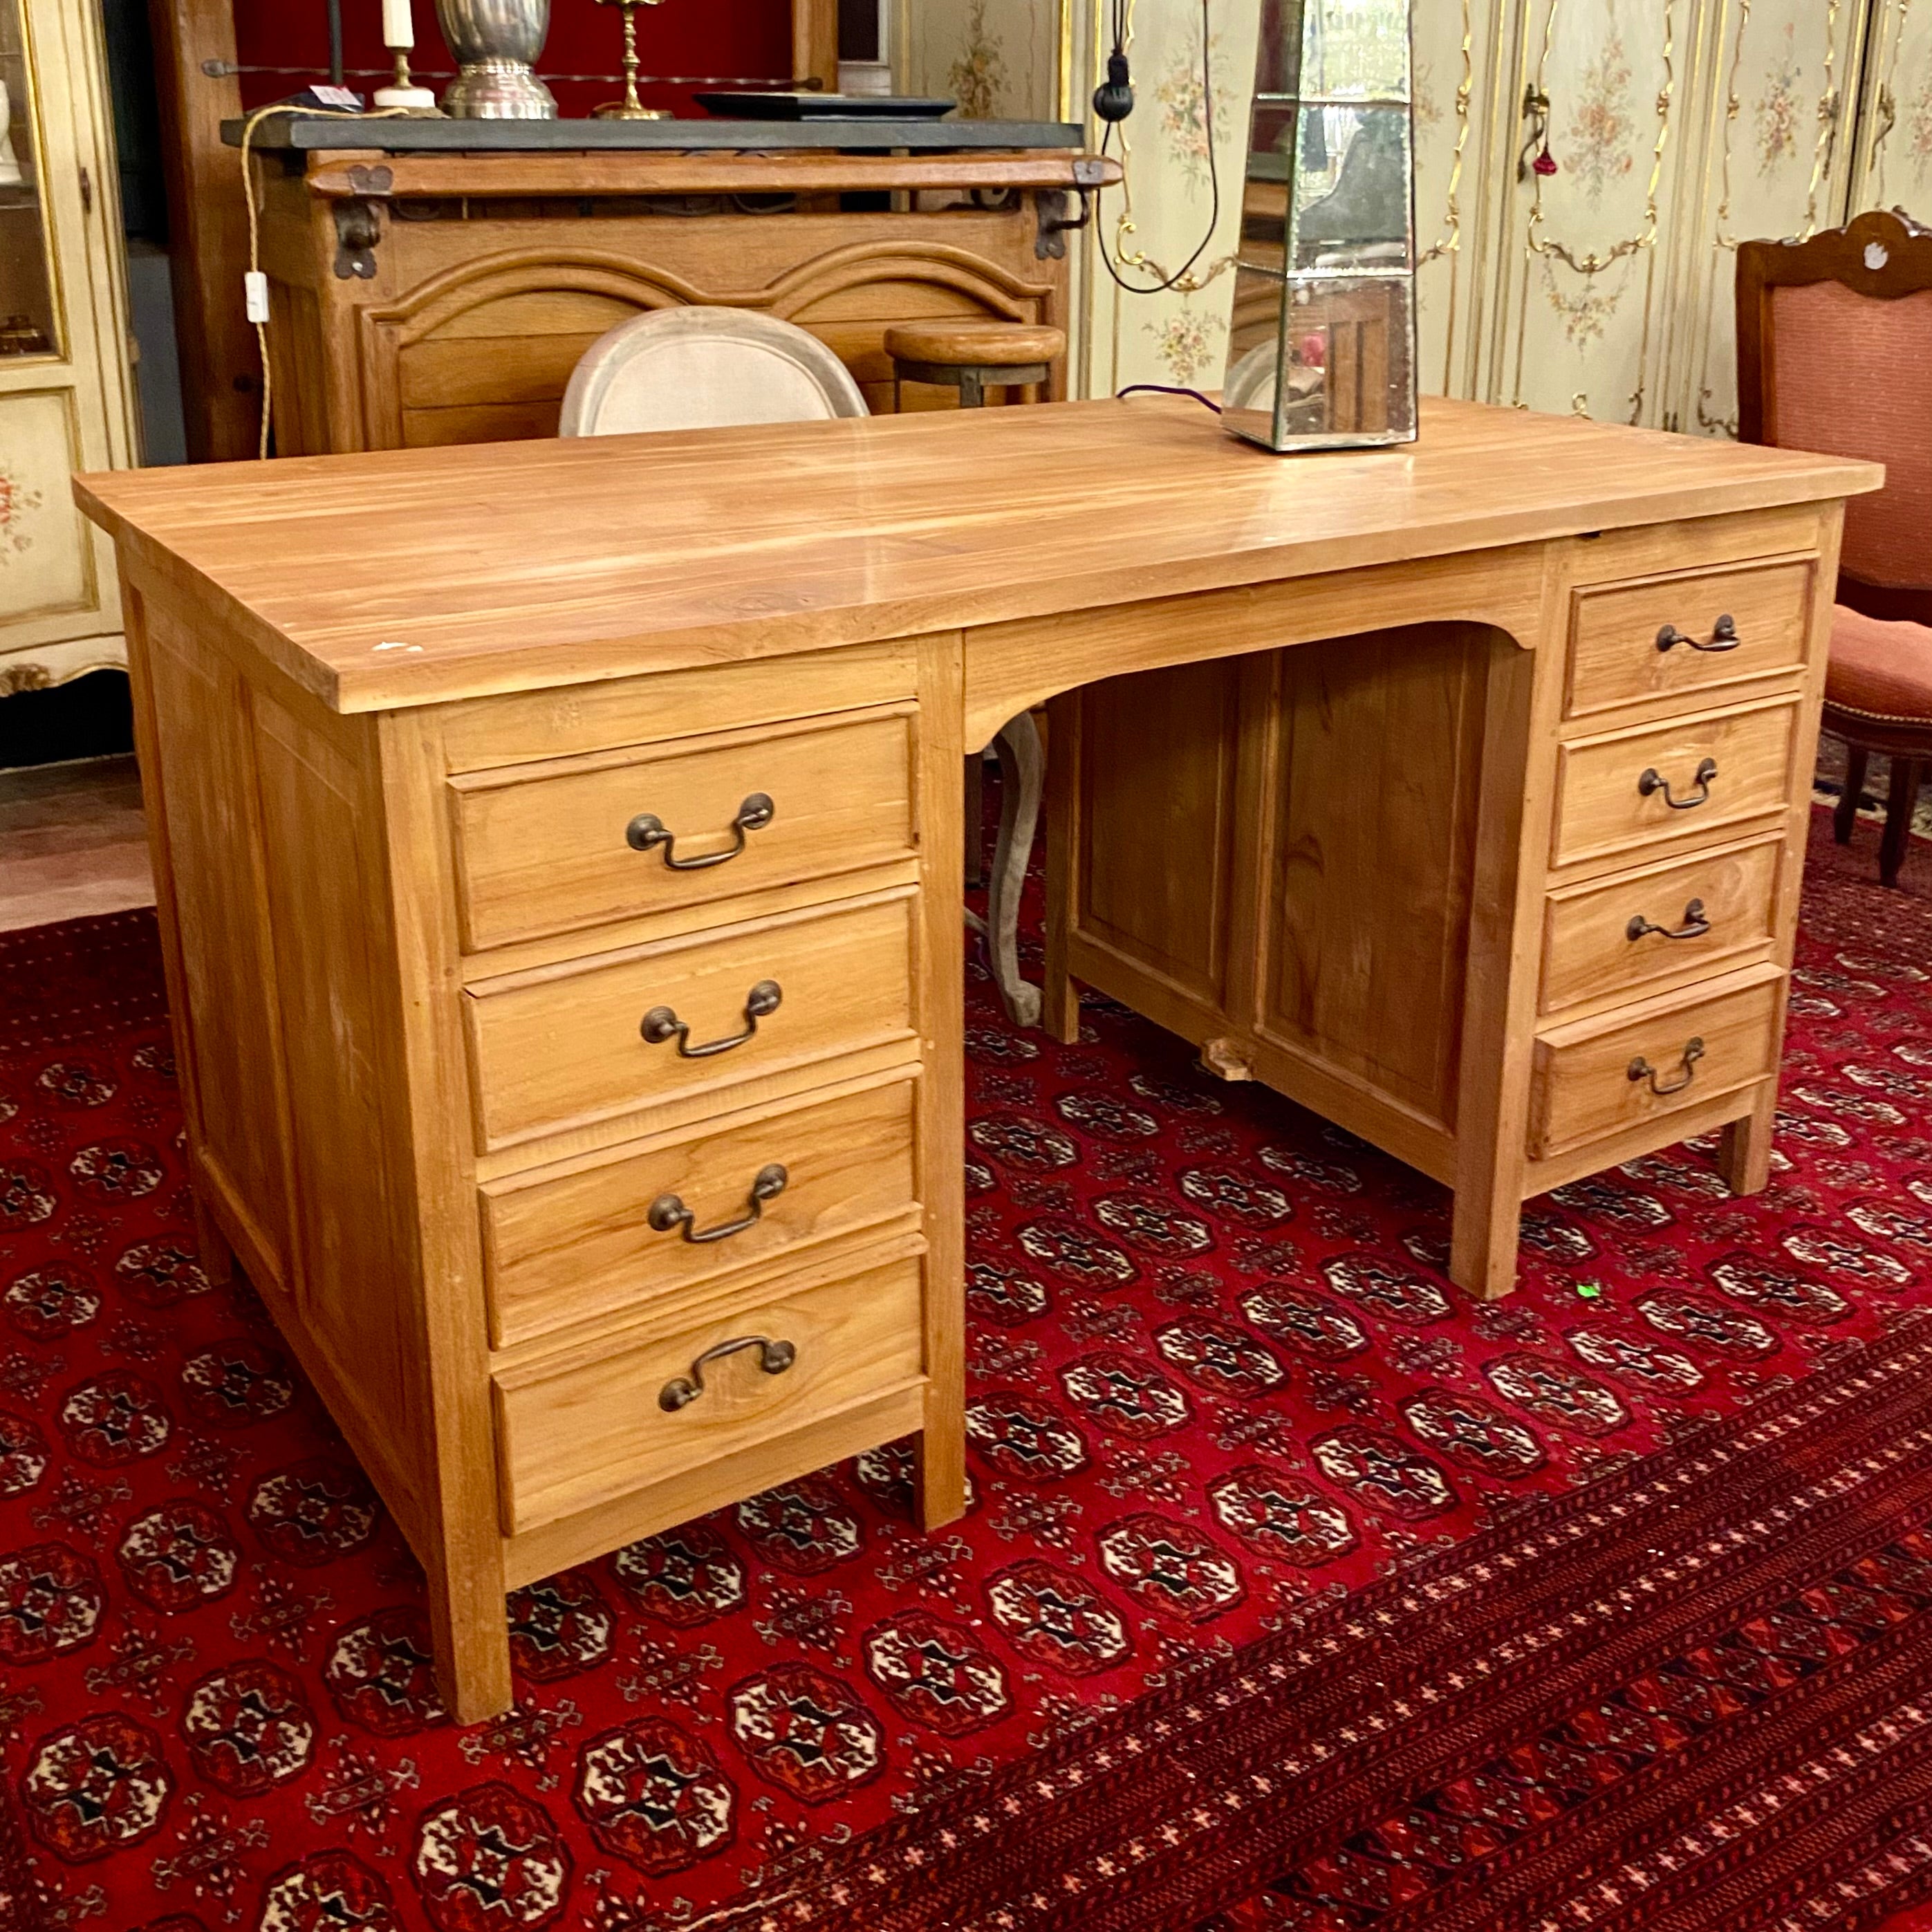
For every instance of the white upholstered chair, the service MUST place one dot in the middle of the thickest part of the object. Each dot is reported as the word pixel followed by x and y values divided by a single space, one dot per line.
pixel 705 368
pixel 709 368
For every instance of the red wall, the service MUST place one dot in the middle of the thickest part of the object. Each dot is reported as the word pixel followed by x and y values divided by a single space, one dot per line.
pixel 748 37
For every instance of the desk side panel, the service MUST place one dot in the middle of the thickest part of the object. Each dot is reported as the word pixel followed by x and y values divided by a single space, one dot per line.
pixel 266 822
pixel 1157 767
pixel 353 1283
pixel 194 727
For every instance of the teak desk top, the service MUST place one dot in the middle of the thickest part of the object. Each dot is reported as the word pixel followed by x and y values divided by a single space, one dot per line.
pixel 406 577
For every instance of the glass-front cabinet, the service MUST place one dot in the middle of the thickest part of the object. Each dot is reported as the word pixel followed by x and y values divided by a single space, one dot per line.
pixel 1322 347
pixel 65 387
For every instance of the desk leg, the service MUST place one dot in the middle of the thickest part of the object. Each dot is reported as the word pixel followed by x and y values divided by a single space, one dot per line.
pixel 469 1631
pixel 1744 1153
pixel 216 1257
pixel 1499 1006
pixel 941 1480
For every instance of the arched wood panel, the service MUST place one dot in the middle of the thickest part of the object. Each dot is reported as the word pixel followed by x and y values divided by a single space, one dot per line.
pixel 484 351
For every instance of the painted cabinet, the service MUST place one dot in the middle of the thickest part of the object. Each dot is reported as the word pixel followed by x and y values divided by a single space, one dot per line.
pixel 1892 153
pixel 1775 144
pixel 65 385
pixel 1584 169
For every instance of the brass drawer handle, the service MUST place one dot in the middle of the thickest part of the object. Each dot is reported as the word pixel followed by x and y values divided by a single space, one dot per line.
pixel 647 832
pixel 1640 1069
pixel 1653 780
pixel 661 1024
pixel 668 1211
pixel 774 1357
pixel 1723 637
pixel 1694 927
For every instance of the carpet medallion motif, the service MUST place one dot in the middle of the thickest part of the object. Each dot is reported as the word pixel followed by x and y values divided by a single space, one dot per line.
pixel 1296 1591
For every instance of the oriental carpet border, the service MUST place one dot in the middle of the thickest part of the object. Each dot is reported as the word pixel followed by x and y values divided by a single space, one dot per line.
pixel 1188 1800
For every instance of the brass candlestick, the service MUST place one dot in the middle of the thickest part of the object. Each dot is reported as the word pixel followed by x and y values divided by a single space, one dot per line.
pixel 630 108
pixel 404 93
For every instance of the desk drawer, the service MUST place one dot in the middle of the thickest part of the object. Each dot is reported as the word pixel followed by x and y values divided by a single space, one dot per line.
pixel 1617 935
pixel 566 1244
pixel 1680 779
pixel 581 1432
pixel 1691 634
pixel 1596 1078
pixel 565 1045
pixel 567 843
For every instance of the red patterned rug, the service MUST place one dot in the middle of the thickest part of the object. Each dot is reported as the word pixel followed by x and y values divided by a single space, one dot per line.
pixel 1297 1591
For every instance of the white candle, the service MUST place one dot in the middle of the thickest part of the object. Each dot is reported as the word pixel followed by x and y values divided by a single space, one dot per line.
pixel 398 29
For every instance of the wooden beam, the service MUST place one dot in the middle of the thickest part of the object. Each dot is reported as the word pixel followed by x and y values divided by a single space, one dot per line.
pixel 814 41
pixel 208 222
pixel 333 175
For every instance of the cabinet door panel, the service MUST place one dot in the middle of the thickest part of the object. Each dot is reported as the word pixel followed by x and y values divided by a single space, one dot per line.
pixel 1365 928
pixel 1155 869
pixel 64 376
pixel 1583 263
pixel 1779 154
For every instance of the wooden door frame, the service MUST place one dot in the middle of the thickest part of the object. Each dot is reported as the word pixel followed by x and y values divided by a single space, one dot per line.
pixel 207 224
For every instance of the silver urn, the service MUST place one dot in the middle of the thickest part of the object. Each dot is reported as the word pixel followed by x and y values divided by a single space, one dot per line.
pixel 495 42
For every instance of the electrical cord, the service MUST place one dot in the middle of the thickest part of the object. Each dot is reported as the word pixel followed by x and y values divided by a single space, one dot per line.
pixel 258 313
pixel 1167 389
pixel 1181 274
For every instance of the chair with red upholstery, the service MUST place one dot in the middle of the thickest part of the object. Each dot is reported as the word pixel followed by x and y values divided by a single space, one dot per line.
pixel 1835 354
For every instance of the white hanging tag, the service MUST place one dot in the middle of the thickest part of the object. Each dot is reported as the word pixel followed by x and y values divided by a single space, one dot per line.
pixel 255 285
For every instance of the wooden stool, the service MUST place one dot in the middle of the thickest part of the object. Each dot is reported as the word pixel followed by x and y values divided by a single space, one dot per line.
pixel 972 356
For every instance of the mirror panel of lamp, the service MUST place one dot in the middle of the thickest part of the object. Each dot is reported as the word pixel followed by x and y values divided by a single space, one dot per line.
pixel 1322 345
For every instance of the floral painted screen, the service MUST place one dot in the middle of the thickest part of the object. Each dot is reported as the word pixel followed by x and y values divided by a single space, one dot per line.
pixel 1321 351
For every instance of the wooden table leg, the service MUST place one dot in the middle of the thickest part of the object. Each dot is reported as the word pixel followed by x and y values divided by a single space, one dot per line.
pixel 975 829
pixel 216 1257
pixel 1505 964
pixel 1744 1152
pixel 469 1632
pixel 941 1479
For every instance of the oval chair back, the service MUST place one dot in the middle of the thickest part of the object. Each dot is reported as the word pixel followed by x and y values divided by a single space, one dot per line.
pixel 705 368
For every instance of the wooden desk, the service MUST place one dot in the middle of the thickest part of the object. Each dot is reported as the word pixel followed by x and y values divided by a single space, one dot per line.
pixel 401 716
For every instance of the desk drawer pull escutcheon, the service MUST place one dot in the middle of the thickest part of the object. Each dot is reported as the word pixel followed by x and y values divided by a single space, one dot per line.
pixel 1723 637
pixel 662 1023
pixel 1694 927
pixel 1640 1069
pixel 774 1358
pixel 647 833
pixel 1654 780
pixel 668 1211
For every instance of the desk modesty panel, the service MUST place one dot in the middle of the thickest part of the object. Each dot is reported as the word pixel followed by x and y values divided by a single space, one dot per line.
pixel 600 1176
